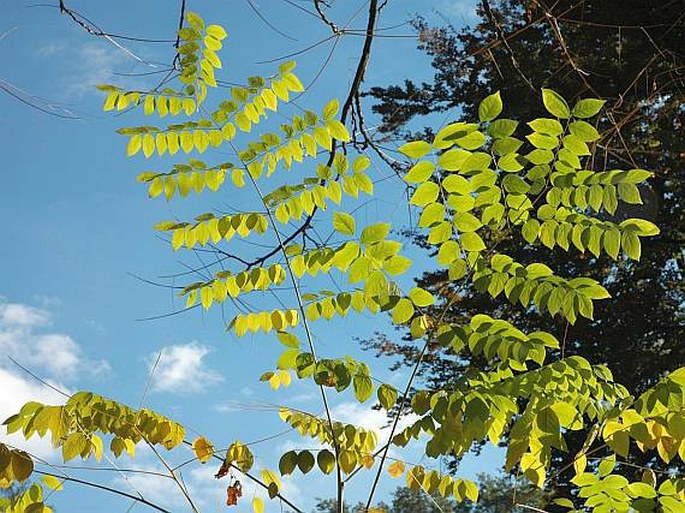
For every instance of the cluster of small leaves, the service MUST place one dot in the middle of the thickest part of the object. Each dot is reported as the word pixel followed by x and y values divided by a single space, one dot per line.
pixel 197 60
pixel 207 227
pixel 538 284
pixel 655 421
pixel 535 407
pixel 496 339
pixel 432 482
pixel 226 284
pixel 266 321
pixel 188 136
pixel 355 444
pixel 339 373
pixel 239 456
pixel 302 138
pixel 292 201
pixel 74 426
pixel 603 491
pixel 482 178
pixel 184 178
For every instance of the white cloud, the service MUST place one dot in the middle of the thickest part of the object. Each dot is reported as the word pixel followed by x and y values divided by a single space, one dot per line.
pixel 53 354
pixel 90 62
pixel 181 369
pixel 15 314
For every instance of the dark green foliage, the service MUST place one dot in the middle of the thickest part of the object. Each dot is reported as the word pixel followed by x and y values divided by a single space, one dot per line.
pixel 628 53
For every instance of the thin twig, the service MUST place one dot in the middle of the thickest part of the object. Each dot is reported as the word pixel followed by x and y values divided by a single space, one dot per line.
pixel 105 488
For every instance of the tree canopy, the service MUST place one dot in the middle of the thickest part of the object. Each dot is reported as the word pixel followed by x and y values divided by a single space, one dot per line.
pixel 628 55
pixel 532 221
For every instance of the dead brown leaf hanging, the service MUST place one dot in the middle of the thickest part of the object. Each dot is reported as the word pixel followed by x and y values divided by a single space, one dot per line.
pixel 233 492
pixel 223 470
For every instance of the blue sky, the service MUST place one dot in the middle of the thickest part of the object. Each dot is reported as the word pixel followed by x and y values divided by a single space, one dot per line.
pixel 77 229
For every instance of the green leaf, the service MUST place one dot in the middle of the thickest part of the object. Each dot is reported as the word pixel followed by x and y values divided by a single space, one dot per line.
pixel 452 160
pixel 375 233
pixel 194 20
pixel 612 242
pixel 425 193
pixel 348 460
pixel 471 241
pixel 465 222
pixel 52 482
pixel 490 107
pixel 631 245
pixel 402 311
pixel 287 463
pixel 547 421
pixel 641 227
pixel 638 175
pixel 641 490
pixel 606 466
pixel 511 163
pixel 135 143
pixel 337 130
pixel 555 104
pixel 543 141
pixel 387 396
pixel 156 187
pixel 629 193
pixel 531 230
pixel 305 461
pixel 471 141
pixel 363 387
pixel 415 149
pixel 420 172
pixel 501 128
pixel 432 214
pixel 421 297
pixel 361 163
pixel 396 265
pixel 587 108
pixel 457 184
pixel 288 339
pixel 506 145
pixel 344 223
pixel 538 270
pixel 326 461
pixel 330 109
pixel 584 131
pixel 566 503
pixel 292 83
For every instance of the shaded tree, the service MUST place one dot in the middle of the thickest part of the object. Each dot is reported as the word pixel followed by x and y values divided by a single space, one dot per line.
pixel 630 53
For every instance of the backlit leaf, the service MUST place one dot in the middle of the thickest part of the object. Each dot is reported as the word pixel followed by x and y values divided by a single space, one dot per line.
pixel 555 104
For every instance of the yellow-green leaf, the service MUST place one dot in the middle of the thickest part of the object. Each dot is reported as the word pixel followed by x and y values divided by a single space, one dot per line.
pixel 555 104
pixel 344 223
